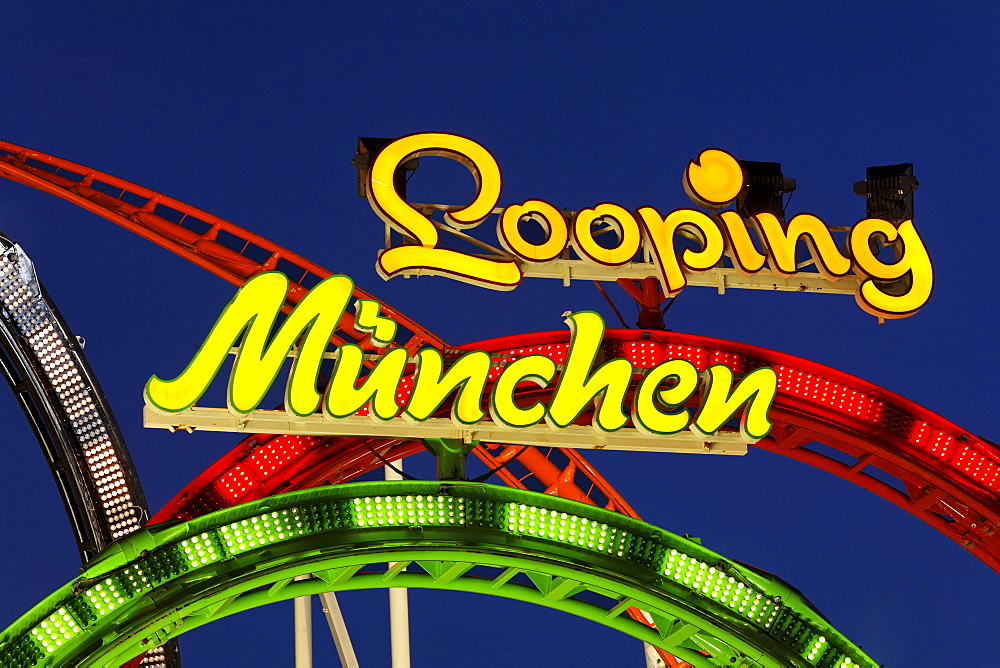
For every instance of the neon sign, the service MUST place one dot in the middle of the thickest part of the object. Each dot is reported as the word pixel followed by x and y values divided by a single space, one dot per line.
pixel 712 181
pixel 658 406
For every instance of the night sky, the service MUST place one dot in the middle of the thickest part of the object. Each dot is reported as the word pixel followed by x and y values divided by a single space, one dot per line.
pixel 252 113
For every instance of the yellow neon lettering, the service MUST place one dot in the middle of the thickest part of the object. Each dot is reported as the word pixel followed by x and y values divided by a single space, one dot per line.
pixel 504 411
pixel 660 231
pixel 577 388
pixel 253 312
pixel 781 245
pixel 646 414
pixel 430 388
pixel 746 258
pixel 913 260
pixel 447 262
pixel 621 221
pixel 556 230
pixel 713 179
pixel 368 319
pixel 398 213
pixel 343 396
pixel 720 401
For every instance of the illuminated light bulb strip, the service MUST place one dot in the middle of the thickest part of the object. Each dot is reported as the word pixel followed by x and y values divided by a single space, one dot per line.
pixel 404 390
pixel 648 354
pixel 236 482
pixel 736 603
pixel 965 456
pixel 408 510
pixel 933 440
pixel 977 465
pixel 264 461
pixel 119 502
pixel 589 534
pixel 830 394
pixel 555 351
pixel 57 629
pixel 734 361
pixel 721 586
pixel 277 453
pixel 970 457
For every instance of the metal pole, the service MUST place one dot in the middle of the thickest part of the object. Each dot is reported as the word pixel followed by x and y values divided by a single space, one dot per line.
pixel 653 659
pixel 338 628
pixel 303 629
pixel 399 610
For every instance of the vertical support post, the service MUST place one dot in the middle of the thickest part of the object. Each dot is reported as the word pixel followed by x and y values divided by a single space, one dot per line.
pixel 653 659
pixel 649 296
pixel 451 454
pixel 399 611
pixel 302 606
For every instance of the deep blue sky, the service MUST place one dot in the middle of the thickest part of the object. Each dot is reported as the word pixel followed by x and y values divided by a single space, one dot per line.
pixel 251 112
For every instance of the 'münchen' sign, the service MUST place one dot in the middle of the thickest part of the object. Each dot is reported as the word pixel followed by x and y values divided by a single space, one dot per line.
pixel 655 402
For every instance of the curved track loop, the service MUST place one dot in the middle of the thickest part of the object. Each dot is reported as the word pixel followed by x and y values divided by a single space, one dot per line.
pixel 236 255
pixel 947 477
pixel 161 582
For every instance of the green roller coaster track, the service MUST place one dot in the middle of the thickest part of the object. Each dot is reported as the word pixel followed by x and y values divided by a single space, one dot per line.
pixel 168 579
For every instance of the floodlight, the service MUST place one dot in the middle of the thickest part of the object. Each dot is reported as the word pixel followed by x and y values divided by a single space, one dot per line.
pixel 764 189
pixel 888 190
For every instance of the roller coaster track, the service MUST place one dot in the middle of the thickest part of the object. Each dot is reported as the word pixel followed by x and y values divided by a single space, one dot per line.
pixel 63 401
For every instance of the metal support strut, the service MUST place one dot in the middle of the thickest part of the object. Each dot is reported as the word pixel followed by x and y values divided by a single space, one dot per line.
pixel 451 454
